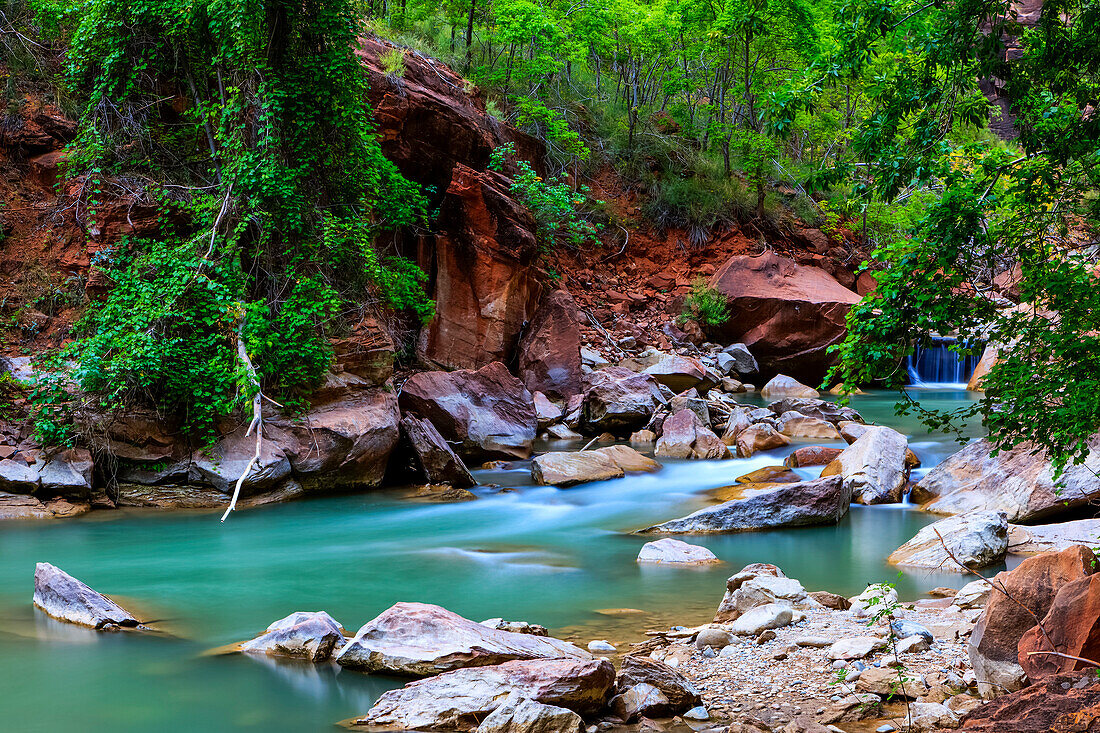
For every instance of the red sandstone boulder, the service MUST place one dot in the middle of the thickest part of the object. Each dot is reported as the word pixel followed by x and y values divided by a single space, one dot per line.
pixel 488 413
pixel 550 352
pixel 787 314
pixel 811 455
pixel 1023 594
pixel 437 462
pixel 1058 704
pixel 485 286
pixel 1071 626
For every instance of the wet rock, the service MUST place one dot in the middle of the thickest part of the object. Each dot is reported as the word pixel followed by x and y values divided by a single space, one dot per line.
pixel 420 639
pixel 1028 592
pixel 562 432
pixel 677 689
pixel 737 423
pixel 668 551
pixel 550 351
pixel 601 646
pixel 639 700
pixel 684 435
pixel 312 635
pixel 488 412
pixel 783 386
pixel 795 425
pixel 770 474
pixel 619 399
pixel 976 540
pixel 1065 702
pixel 756 620
pixel 680 373
pixel 786 314
pixel 438 463
pixel 759 437
pixel 821 501
pixel 60 595
pixel 517 714
pixel 873 468
pixel 814 455
pixel 461 699
pixel 691 400
pixel 568 468
pixel 1014 481
pixel 1071 626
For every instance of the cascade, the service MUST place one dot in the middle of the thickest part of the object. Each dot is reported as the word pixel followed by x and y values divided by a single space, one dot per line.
pixel 936 365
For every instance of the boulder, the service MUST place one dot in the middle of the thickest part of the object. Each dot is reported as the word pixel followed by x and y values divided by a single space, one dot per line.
pixel 683 435
pixel 680 373
pixel 756 438
pixel 976 539
pixel 811 455
pixel 787 314
pixel 22 506
pixel 488 412
pixel 563 432
pixel 420 639
pixel 1071 626
pixel 1036 539
pixel 856 647
pixel 518 627
pixel 770 475
pixel 852 708
pixel 546 412
pixel 677 689
pixel 517 714
pixel 761 618
pixel 567 468
pixel 620 400
pixel 990 355
pixel 438 463
pixel 550 351
pixel 643 437
pixel 1024 594
pixel 873 468
pixel 974 594
pixel 892 682
pixel 461 699
pixel 737 423
pixel 1018 482
pixel 743 361
pixel 931 716
pixel 852 431
pixel 310 635
pixel 1065 702
pixel 796 425
pixel 642 699
pixel 60 595
pixel 744 594
pixel 831 600
pixel 690 400
pixel 17 477
pixel 821 409
pixel 821 501
pixel 783 386
pixel 669 551
pixel 66 473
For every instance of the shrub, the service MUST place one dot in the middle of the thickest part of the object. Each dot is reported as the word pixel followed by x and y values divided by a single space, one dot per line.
pixel 706 305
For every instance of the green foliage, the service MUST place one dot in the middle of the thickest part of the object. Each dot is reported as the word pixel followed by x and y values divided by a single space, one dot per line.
pixel 554 204
pixel 706 305
pixel 273 167
pixel 393 62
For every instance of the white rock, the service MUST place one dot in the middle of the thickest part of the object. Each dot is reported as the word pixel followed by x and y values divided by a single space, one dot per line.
pixel 601 646
pixel 973 595
pixel 675 552
pixel 770 616
pixel 857 647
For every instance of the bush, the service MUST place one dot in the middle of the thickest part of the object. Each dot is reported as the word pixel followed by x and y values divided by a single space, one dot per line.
pixel 706 305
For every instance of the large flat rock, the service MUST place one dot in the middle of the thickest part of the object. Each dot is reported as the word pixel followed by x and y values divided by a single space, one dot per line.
pixel 60 595
pixel 421 639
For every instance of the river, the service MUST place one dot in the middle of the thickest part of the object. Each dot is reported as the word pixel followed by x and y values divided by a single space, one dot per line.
pixel 561 558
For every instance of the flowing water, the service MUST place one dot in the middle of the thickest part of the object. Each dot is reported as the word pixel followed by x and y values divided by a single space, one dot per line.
pixel 562 558
pixel 937 366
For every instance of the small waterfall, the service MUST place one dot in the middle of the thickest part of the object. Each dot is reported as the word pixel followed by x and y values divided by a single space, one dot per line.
pixel 936 365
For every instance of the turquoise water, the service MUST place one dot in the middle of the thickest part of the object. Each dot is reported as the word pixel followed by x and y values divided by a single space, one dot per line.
pixel 562 558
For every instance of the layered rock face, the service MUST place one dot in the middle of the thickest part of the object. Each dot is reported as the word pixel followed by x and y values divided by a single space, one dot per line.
pixel 787 314
pixel 434 127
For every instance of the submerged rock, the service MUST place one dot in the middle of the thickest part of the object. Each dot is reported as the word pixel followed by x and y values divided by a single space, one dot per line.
pixel 976 539
pixel 461 699
pixel 60 595
pixel 312 635
pixel 821 501
pixel 421 639
pixel 674 552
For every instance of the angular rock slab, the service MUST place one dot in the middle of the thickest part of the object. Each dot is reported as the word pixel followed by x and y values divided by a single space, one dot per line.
pixel 460 700
pixel 1071 626
pixel 438 463
pixel 421 639
pixel 619 399
pixel 677 689
pixel 976 540
pixel 517 714
pixel 312 635
pixel 669 551
pixel 874 466
pixel 684 435
pixel 60 595
pixel 568 468
pixel 821 501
